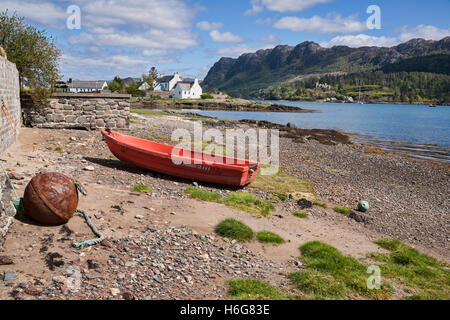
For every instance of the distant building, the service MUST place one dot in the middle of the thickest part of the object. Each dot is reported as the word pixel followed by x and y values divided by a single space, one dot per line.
pixel 166 83
pixel 187 90
pixel 323 86
pixel 144 86
pixel 85 86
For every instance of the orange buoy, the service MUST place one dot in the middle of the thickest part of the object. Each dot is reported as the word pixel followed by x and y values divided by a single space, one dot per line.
pixel 51 198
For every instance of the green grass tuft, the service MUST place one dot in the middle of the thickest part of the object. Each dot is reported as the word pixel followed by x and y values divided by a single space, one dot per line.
pixel 346 274
pixel 343 210
pixel 320 204
pixel 269 237
pixel 427 277
pixel 142 188
pixel 58 149
pixel 239 200
pixel 247 202
pixel 233 229
pixel 318 285
pixel 204 195
pixel 300 214
pixel 253 289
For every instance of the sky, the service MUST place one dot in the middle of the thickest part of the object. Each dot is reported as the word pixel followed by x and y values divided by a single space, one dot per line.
pixel 126 38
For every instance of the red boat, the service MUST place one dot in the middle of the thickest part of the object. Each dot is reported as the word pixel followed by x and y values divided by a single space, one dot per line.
pixel 187 164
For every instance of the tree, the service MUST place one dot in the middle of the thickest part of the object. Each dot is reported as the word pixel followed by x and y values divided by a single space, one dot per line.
pixel 116 85
pixel 132 89
pixel 151 77
pixel 32 50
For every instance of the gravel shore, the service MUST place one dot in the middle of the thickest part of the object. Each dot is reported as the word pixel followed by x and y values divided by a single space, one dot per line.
pixel 163 246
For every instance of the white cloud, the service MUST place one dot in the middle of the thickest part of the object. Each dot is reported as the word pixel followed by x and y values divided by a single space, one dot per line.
pixel 425 32
pixel 362 40
pixel 207 26
pixel 44 13
pixel 154 52
pixel 235 51
pixel 216 36
pixel 271 38
pixel 282 5
pixel 318 24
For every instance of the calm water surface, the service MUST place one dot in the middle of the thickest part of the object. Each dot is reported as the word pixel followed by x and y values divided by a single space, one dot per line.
pixel 418 131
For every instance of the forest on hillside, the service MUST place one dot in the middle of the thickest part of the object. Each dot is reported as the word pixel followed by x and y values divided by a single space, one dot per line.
pixel 378 86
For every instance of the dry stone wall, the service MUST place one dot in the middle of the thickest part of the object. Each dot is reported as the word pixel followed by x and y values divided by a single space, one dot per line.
pixel 10 119
pixel 80 111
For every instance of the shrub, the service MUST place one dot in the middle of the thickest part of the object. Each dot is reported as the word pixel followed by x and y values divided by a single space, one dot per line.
pixel 142 188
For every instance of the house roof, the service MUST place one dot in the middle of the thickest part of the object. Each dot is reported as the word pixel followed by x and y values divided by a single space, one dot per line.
pixel 165 79
pixel 185 85
pixel 86 84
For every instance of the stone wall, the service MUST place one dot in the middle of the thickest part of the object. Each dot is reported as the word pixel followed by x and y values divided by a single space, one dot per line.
pixel 10 94
pixel 7 210
pixel 80 111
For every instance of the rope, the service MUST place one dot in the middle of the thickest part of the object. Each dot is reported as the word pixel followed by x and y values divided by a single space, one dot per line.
pixel 91 242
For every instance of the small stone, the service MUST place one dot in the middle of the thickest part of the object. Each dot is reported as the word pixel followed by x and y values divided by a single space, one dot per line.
pixel 173 213
pixel 89 168
pixel 106 243
pixel 9 276
pixel 5 260
pixel 92 275
pixel 59 279
pixel 115 291
pixel 33 291
pixel 73 139
pixel 15 176
pixel 139 216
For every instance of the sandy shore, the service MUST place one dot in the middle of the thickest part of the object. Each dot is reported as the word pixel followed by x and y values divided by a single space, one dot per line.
pixel 163 246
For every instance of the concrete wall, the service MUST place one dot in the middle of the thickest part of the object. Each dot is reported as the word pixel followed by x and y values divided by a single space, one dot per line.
pixel 80 111
pixel 10 94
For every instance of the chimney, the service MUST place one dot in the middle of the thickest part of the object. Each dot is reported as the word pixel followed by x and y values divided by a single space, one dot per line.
pixel 70 80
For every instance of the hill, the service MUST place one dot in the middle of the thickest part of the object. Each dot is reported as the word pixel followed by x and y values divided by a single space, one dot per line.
pixel 251 73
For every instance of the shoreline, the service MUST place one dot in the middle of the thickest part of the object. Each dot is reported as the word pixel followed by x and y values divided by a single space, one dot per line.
pixel 341 102
pixel 330 136
pixel 216 105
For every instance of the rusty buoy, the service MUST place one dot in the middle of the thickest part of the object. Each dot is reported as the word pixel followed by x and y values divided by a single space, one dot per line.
pixel 51 198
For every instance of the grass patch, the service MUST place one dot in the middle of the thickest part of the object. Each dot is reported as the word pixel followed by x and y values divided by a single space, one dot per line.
pixel 247 202
pixel 343 210
pixel 282 183
pixel 148 112
pixel 204 195
pixel 253 289
pixel 239 200
pixel 318 285
pixel 331 275
pixel 141 188
pixel 320 204
pixel 300 214
pixel 280 197
pixel 269 237
pixel 233 229
pixel 423 275
pixel 58 149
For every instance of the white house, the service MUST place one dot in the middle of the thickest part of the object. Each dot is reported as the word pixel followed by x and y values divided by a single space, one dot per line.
pixel 85 86
pixel 187 90
pixel 166 83
pixel 144 86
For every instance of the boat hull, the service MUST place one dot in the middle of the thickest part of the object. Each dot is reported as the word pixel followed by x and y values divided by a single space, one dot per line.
pixel 182 163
